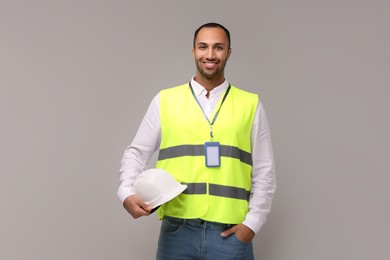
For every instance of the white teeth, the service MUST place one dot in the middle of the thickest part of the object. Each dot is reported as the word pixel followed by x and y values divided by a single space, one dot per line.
pixel 210 64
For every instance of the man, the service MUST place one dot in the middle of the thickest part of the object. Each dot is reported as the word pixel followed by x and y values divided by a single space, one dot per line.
pixel 214 138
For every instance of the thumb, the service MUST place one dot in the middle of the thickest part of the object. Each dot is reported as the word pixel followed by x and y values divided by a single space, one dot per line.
pixel 143 205
pixel 228 232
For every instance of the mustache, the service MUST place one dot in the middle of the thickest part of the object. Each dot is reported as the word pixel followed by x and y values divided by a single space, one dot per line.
pixel 210 60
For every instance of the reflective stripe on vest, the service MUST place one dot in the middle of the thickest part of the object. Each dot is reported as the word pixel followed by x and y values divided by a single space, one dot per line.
pixel 198 150
pixel 217 190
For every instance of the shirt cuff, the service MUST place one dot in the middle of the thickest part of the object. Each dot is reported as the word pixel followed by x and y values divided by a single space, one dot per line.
pixel 123 194
pixel 254 222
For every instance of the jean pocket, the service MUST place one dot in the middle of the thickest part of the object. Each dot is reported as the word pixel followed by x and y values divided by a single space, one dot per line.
pixel 170 225
pixel 242 242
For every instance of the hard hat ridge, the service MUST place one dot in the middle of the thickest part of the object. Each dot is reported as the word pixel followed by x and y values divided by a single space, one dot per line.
pixel 157 186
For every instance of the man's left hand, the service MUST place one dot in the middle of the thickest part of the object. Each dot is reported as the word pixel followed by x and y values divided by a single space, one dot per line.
pixel 242 233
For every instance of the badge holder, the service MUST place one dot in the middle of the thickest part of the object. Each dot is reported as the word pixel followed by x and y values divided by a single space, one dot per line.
pixel 212 152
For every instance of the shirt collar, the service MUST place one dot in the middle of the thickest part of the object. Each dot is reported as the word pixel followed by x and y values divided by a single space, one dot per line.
pixel 200 90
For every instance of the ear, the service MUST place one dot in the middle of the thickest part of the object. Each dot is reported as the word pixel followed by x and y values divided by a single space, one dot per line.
pixel 193 53
pixel 229 52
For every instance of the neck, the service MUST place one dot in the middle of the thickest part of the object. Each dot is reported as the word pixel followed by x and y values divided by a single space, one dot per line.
pixel 209 84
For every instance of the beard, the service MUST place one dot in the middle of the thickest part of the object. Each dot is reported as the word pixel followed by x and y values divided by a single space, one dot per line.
pixel 213 73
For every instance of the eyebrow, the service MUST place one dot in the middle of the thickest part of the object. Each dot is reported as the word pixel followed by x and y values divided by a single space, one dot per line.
pixel 215 44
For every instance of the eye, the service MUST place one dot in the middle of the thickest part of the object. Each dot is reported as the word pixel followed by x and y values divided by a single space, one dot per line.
pixel 219 47
pixel 202 47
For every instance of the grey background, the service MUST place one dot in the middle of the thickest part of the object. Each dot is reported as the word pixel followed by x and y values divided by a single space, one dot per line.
pixel 76 78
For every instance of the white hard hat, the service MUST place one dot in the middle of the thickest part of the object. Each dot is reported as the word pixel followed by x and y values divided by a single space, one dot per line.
pixel 157 186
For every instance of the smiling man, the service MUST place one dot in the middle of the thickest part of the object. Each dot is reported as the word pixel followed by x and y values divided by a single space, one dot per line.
pixel 211 51
pixel 215 138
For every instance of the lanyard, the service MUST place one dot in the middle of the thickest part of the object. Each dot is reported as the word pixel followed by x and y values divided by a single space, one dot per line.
pixel 216 114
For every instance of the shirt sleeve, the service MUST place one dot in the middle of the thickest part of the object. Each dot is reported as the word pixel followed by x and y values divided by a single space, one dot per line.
pixel 263 172
pixel 139 152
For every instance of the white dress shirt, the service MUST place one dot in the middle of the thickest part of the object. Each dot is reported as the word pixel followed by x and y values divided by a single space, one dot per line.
pixel 147 141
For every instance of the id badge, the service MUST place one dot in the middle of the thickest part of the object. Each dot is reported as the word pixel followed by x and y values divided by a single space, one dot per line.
pixel 212 153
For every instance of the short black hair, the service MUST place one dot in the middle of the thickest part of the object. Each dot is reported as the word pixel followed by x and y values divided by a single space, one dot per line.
pixel 212 25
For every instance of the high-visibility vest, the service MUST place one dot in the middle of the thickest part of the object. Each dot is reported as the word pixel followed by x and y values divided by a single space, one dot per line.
pixel 218 194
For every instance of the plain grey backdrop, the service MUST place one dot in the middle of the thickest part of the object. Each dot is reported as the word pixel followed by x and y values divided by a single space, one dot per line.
pixel 76 78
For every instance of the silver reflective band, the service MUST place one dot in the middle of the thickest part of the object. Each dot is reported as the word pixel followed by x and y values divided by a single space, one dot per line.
pixel 195 188
pixel 228 191
pixel 198 150
pixel 217 190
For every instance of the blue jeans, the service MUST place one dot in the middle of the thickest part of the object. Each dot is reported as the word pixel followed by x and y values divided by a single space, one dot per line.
pixel 197 239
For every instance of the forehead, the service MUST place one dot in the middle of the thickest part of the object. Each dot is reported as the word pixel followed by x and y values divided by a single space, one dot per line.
pixel 211 35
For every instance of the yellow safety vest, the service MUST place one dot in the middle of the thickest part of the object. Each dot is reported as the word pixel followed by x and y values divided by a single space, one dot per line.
pixel 218 194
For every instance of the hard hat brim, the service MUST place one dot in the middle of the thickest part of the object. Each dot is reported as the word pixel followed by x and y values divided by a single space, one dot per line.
pixel 168 196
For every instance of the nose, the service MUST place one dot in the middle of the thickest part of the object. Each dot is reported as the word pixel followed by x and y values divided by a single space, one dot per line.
pixel 210 53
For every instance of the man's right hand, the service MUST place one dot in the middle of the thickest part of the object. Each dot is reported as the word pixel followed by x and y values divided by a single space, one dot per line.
pixel 136 206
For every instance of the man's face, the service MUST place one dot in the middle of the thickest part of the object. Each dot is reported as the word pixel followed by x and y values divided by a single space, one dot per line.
pixel 211 52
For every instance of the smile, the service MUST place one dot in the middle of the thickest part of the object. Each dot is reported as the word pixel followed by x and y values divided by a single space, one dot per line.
pixel 210 64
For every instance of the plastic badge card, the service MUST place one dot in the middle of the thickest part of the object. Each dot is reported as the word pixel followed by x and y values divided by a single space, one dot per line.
pixel 212 152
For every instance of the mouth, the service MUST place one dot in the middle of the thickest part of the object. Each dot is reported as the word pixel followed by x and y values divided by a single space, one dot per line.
pixel 210 64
